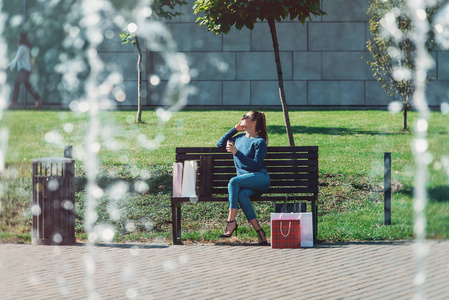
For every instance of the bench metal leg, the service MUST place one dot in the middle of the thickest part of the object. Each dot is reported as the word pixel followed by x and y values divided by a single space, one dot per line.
pixel 176 222
pixel 315 221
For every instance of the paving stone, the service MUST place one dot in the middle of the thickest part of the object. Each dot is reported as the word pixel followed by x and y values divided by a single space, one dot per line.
pixel 383 270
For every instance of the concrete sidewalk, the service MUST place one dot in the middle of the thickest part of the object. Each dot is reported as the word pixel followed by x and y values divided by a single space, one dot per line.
pixel 383 270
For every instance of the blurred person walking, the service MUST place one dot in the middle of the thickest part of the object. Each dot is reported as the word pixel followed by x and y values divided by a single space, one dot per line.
pixel 23 62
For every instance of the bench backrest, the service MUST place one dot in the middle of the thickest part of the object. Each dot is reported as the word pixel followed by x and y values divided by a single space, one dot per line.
pixel 293 171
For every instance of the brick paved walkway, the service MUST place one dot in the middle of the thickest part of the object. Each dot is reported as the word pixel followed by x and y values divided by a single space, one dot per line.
pixel 141 271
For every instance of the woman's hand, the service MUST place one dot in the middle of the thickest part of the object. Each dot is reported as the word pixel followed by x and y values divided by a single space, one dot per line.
pixel 230 147
pixel 239 127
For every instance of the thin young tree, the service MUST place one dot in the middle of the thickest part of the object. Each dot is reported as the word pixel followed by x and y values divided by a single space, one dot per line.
pixel 162 9
pixel 220 16
pixel 393 49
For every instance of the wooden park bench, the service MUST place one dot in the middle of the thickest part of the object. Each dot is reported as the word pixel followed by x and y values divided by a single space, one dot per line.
pixel 293 172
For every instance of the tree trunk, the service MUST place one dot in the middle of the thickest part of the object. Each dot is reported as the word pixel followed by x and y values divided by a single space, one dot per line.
pixel 404 116
pixel 139 82
pixel 281 81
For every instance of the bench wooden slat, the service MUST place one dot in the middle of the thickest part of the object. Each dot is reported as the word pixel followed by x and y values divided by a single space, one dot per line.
pixel 274 181
pixel 260 198
pixel 221 187
pixel 274 163
pixel 302 162
pixel 228 156
pixel 291 169
pixel 212 150
pixel 292 183
pixel 272 176
pixel 271 156
pixel 276 190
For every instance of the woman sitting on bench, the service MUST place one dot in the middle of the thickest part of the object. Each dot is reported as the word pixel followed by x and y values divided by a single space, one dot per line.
pixel 252 178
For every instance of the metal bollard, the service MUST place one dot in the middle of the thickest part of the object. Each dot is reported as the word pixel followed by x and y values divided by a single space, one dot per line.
pixel 387 188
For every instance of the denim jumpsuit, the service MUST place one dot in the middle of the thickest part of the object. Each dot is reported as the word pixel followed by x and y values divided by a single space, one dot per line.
pixel 252 177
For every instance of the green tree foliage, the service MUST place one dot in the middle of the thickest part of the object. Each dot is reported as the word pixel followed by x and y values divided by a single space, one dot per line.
pixel 393 49
pixel 219 16
pixel 162 9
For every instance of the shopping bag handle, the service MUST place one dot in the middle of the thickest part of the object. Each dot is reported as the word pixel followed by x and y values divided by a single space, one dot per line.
pixel 289 227
pixel 286 197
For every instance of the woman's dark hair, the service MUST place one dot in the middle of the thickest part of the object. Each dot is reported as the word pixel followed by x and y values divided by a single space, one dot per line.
pixel 23 40
pixel 261 124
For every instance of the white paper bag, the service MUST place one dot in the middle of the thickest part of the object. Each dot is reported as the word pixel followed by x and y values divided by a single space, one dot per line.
pixel 177 179
pixel 189 181
pixel 306 225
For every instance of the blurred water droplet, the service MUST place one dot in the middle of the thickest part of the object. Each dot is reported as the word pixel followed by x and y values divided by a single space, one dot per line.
pixel 96 191
pixel 185 78
pixel 34 280
pixel 444 108
pixel 120 96
pixel 130 226
pixel 16 20
pixel 163 115
pixel 184 258
pixel 169 265
pixel 74 31
pixel 131 293
pixel 421 145
pixel 141 187
pixel 68 127
pixel 89 263
pixel 108 234
pixel 53 185
pixel 96 147
pixel 148 225
pixel 83 106
pixel 421 13
pixel 92 237
pixel 124 159
pixel 67 205
pixel 118 190
pixel 109 34
pixel 36 210
pixel 132 27
pixel 420 278
pixel 114 213
pixel 147 12
pixel 134 250
pixel 395 107
pixel 402 74
pixel 421 125
pixel 57 238
pixel 154 80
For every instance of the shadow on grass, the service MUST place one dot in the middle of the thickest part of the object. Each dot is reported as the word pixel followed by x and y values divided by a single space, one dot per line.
pixel 156 183
pixel 438 194
pixel 277 129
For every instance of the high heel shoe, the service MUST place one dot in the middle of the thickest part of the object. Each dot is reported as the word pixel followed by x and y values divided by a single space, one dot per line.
pixel 224 235
pixel 262 237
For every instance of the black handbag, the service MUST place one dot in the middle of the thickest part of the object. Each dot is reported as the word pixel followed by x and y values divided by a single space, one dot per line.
pixel 290 207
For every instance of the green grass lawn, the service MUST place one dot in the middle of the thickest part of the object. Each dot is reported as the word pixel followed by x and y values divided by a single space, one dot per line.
pixel 352 145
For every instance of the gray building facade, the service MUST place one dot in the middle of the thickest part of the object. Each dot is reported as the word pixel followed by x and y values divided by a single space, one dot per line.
pixel 324 63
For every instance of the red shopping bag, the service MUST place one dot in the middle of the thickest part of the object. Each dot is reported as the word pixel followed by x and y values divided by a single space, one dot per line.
pixel 285 234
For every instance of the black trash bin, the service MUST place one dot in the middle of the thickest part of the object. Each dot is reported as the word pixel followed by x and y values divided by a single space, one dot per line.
pixel 53 201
